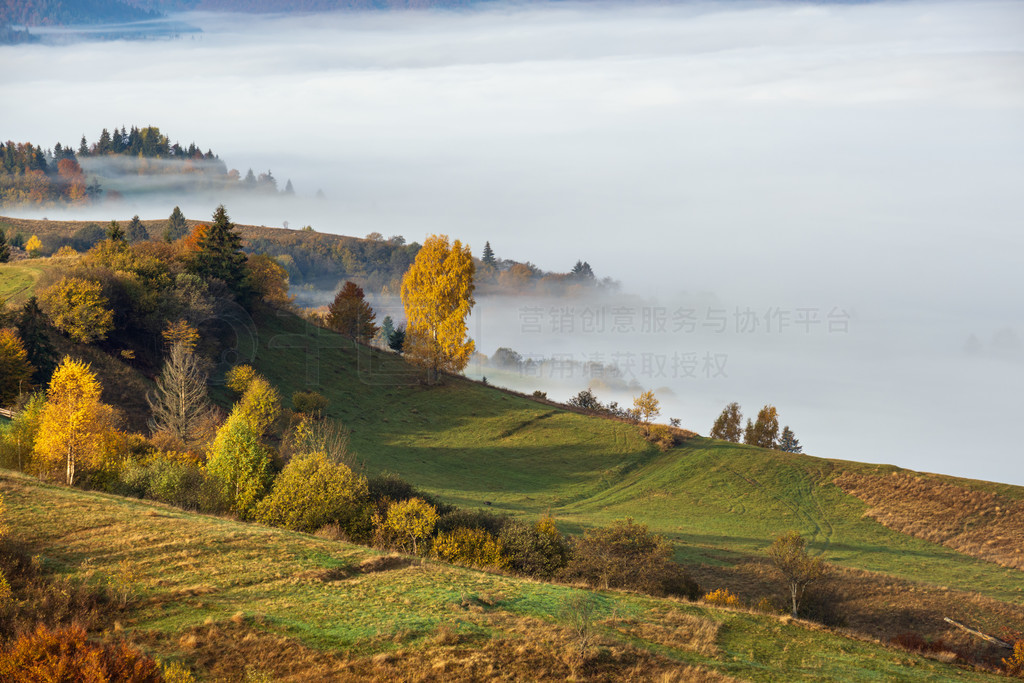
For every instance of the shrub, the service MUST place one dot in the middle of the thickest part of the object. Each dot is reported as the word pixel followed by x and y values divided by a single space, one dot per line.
pixel 1014 664
pixel 661 436
pixel 388 487
pixel 412 519
pixel 627 555
pixel 578 611
pixel 470 547
pixel 176 672
pixel 539 550
pixel 239 378
pixel 722 598
pixel 78 308
pixel 64 654
pixel 309 402
pixel 461 518
pixel 789 555
pixel 312 492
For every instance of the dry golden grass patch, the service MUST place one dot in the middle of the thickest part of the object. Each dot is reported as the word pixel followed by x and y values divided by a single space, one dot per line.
pixel 879 607
pixel 977 523
pixel 672 629
pixel 522 648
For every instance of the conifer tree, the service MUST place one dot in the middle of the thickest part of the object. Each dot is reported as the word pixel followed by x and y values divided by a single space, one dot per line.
pixel 176 226
pixel 115 233
pixel 136 231
pixel 350 315
pixel 5 249
pixel 788 441
pixel 220 253
pixel 31 325
pixel 488 255
pixel 387 328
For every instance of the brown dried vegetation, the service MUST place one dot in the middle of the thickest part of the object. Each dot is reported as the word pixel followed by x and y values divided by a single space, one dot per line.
pixel 978 523
pixel 672 629
pixel 877 606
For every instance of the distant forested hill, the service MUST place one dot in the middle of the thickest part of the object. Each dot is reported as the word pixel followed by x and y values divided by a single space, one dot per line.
pixel 68 12
pixel 294 5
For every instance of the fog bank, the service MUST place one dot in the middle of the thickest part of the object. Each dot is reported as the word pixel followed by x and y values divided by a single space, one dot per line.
pixel 861 157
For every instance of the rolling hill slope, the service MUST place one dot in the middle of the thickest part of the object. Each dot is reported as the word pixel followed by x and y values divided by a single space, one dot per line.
pixel 233 600
pixel 720 503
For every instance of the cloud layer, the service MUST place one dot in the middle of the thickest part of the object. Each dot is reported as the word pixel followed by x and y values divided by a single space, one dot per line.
pixel 863 156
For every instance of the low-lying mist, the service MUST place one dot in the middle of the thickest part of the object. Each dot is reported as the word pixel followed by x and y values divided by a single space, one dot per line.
pixel 781 158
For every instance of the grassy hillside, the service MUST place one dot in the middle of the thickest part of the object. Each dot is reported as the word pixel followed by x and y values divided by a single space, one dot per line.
pixel 721 503
pixel 18 282
pixel 230 599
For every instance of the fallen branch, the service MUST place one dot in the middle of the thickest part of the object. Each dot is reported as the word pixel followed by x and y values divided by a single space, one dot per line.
pixel 983 636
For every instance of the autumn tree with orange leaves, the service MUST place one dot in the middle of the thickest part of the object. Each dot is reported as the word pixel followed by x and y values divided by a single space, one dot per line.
pixel 437 292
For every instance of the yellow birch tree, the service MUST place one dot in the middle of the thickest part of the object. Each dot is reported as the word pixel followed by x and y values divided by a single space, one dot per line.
pixel 75 425
pixel 437 292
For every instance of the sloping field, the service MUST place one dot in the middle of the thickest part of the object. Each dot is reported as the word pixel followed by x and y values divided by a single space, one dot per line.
pixel 229 599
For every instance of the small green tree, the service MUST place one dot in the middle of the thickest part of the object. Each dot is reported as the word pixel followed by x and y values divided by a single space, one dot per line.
pixel 220 254
pixel 17 442
pixel 789 555
pixel 728 425
pixel 238 459
pixel 488 255
pixel 32 327
pixel 397 341
pixel 5 249
pixel 413 519
pixel 115 233
pixel 646 407
pixel 177 227
pixel 136 231
pixel 788 441
pixel 387 328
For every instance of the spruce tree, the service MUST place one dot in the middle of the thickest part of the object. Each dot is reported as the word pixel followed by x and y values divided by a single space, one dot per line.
pixel 220 253
pixel 115 233
pixel 136 231
pixel 5 249
pixel 176 226
pixel 387 328
pixel 288 188
pixel 788 441
pixel 32 328
pixel 488 255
